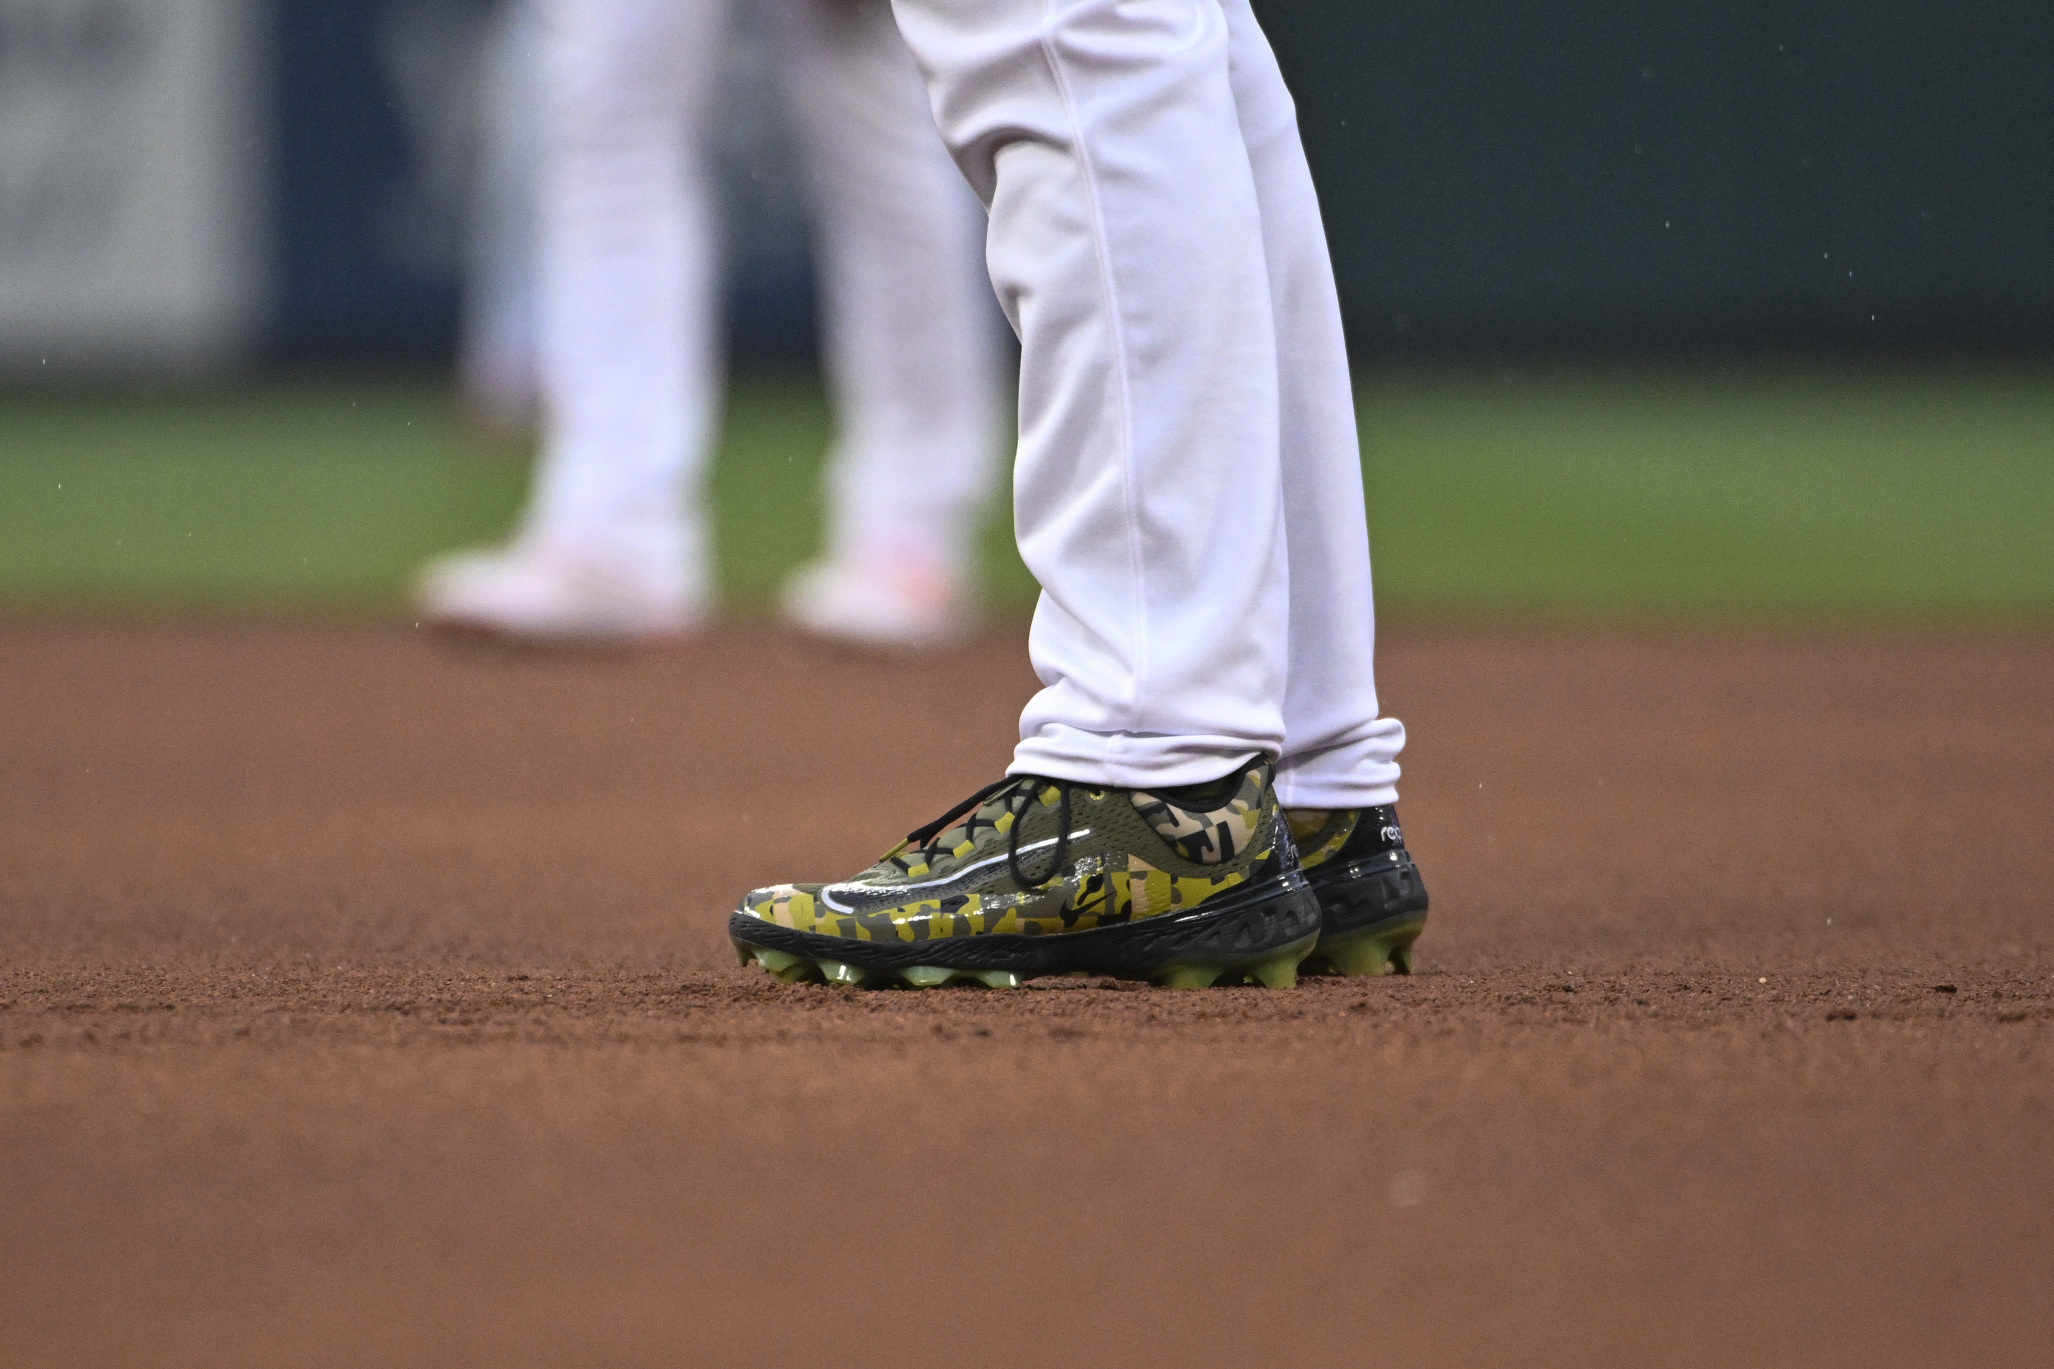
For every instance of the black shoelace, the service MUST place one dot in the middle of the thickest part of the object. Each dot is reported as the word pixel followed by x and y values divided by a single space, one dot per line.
pixel 1023 787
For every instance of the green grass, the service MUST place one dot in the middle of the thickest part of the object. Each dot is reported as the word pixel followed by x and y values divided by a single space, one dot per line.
pixel 1785 495
pixel 1765 495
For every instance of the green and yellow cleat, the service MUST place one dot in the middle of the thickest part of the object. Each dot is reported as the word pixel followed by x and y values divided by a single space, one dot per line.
pixel 1184 888
pixel 1372 901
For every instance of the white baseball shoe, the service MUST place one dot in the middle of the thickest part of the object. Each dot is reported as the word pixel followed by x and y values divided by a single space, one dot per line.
pixel 536 593
pixel 901 603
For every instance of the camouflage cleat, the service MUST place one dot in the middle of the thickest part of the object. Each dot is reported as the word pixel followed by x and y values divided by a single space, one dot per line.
pixel 1184 888
pixel 1372 902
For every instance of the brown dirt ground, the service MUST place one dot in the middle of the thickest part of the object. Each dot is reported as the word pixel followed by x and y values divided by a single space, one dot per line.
pixel 364 1001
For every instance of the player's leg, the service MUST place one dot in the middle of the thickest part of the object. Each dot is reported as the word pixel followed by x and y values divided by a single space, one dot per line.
pixel 1338 772
pixel 1139 832
pixel 613 541
pixel 1125 244
pixel 497 372
pixel 910 336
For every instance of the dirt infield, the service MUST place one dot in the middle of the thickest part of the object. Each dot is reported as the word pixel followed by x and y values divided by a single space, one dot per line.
pixel 366 1002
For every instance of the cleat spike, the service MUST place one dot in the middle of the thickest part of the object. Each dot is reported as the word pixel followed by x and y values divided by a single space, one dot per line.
pixel 1280 972
pixel 786 966
pixel 926 976
pixel 1187 976
pixel 997 979
pixel 1372 951
pixel 1366 956
pixel 835 972
pixel 744 953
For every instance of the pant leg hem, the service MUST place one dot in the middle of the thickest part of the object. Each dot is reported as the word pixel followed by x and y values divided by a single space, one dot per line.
pixel 1133 760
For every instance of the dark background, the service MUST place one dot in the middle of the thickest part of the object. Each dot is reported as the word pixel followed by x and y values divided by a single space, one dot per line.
pixel 1590 178
pixel 1846 175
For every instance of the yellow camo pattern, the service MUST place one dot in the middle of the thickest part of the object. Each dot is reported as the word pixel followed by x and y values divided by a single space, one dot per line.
pixel 1090 897
pixel 1208 836
pixel 1309 824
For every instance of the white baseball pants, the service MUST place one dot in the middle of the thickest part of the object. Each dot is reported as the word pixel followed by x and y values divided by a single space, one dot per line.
pixel 1188 488
pixel 629 280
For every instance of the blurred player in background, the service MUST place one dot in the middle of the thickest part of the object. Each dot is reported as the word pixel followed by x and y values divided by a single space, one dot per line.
pixel 497 363
pixel 1188 491
pixel 614 544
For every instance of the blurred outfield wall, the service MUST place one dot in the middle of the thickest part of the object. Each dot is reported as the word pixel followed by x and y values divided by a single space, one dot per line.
pixel 202 185
pixel 131 159
pixel 1693 175
pixel 196 184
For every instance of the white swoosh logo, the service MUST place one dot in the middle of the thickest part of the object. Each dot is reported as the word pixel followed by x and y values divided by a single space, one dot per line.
pixel 827 892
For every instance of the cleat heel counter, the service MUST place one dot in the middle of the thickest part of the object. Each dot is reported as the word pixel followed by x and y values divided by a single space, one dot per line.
pixel 1371 913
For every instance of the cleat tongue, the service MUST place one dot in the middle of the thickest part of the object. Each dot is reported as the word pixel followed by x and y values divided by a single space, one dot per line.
pixel 926 976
